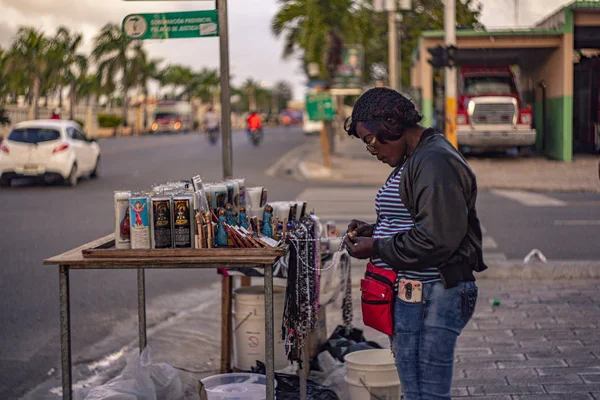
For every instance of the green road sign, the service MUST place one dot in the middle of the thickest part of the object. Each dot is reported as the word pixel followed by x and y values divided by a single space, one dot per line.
pixel 173 25
pixel 319 107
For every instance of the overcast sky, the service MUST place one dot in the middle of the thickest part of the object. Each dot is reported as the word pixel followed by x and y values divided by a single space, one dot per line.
pixel 254 51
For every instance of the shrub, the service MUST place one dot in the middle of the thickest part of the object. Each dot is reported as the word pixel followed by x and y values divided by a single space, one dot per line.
pixel 109 121
pixel 80 122
pixel 4 120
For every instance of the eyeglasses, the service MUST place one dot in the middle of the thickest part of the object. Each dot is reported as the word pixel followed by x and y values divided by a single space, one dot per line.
pixel 371 145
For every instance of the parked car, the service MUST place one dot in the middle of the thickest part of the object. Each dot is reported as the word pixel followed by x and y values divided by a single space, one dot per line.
pixel 51 149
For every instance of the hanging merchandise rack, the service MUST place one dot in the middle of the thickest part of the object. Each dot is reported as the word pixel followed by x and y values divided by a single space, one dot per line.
pixel 193 225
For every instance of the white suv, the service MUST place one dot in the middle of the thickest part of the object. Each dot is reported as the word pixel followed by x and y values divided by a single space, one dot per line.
pixel 50 149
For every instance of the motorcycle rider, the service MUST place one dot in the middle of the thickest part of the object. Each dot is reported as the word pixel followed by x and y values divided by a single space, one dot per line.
pixel 211 120
pixel 254 121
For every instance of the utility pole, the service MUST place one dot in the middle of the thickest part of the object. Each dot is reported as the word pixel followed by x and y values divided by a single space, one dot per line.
pixel 450 38
pixel 393 46
pixel 516 13
pixel 225 90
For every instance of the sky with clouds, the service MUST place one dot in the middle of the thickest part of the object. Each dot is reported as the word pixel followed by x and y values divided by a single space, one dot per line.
pixel 254 52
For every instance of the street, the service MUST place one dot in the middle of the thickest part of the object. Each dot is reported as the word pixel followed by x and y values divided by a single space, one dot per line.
pixel 41 221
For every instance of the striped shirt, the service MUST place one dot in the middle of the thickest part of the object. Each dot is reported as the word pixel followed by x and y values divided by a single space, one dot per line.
pixel 393 217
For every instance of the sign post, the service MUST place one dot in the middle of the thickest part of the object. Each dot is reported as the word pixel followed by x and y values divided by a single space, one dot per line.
pixel 173 25
pixel 193 24
pixel 319 107
pixel 226 98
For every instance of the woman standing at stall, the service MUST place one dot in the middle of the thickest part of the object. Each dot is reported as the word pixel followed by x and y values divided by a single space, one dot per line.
pixel 427 235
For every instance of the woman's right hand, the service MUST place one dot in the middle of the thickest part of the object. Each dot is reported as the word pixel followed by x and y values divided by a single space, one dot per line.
pixel 360 228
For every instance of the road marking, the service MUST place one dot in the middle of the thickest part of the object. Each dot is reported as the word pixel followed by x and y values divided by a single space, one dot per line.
pixel 290 158
pixel 574 222
pixel 530 199
pixel 584 203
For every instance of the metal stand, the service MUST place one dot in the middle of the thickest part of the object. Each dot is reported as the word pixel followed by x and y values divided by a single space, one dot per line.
pixel 65 332
pixel 141 289
pixel 73 259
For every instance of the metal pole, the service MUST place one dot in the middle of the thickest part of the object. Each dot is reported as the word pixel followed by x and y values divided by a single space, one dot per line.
pixel 450 36
pixel 516 13
pixel 399 49
pixel 269 333
pixel 65 332
pixel 393 49
pixel 141 289
pixel 225 89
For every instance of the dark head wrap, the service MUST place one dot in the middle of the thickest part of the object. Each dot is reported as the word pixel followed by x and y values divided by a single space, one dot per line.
pixel 385 113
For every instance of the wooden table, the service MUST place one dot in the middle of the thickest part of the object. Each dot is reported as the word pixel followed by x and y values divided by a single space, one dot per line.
pixel 166 259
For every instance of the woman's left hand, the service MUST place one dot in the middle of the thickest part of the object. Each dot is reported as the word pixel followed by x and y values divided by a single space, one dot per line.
pixel 360 247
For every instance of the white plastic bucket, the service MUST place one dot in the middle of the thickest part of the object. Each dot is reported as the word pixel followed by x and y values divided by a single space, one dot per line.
pixel 236 387
pixel 372 374
pixel 249 327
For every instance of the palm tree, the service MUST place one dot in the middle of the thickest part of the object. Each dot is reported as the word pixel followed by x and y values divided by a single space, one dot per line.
pixel 249 87
pixel 178 77
pixel 202 85
pixel 208 84
pixel 141 71
pixel 316 29
pixel 111 53
pixel 29 50
pixel 88 86
pixel 3 76
pixel 74 65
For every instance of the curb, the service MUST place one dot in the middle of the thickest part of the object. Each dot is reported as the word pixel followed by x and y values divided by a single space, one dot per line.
pixel 336 177
pixel 516 270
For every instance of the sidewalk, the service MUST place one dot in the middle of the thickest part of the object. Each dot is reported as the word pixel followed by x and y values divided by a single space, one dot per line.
pixel 541 342
pixel 352 164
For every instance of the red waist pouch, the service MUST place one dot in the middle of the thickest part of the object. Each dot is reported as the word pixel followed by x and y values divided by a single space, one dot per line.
pixel 377 298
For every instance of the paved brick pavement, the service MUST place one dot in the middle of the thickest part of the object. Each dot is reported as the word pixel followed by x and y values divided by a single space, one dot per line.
pixel 541 342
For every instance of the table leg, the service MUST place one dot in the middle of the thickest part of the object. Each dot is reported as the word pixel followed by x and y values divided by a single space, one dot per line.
pixel 269 333
pixel 65 332
pixel 304 373
pixel 141 289
pixel 226 324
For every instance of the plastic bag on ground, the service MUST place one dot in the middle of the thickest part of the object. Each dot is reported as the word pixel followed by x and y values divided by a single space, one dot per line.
pixel 288 386
pixel 146 382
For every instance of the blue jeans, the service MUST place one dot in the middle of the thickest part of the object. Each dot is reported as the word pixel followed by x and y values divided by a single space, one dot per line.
pixel 425 336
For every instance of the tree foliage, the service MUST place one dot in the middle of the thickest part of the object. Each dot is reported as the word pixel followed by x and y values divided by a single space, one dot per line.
pixel 305 25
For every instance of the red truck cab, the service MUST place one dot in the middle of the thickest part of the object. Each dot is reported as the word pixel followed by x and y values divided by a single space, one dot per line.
pixel 490 112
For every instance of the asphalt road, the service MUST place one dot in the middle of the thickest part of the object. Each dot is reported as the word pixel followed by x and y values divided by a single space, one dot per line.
pixel 41 221
pixel 564 226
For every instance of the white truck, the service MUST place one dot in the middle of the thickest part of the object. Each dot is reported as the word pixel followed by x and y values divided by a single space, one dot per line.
pixel 490 113
pixel 173 116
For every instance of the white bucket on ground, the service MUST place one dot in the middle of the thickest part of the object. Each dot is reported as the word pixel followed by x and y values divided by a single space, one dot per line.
pixel 236 387
pixel 372 374
pixel 249 327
